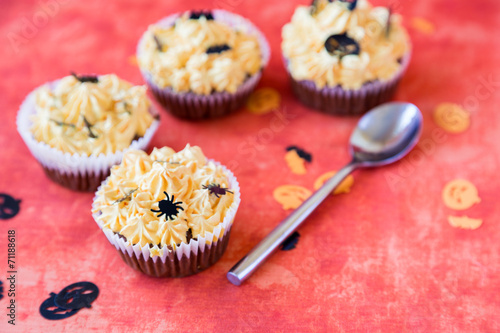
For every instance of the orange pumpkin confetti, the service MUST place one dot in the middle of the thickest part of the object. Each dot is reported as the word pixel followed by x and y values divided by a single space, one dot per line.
pixel 296 163
pixel 344 186
pixel 263 100
pixel 464 222
pixel 422 25
pixel 133 60
pixel 291 196
pixel 460 194
pixel 452 117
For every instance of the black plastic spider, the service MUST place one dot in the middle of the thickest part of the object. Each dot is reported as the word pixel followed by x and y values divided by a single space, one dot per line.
pixel 168 207
pixel 216 189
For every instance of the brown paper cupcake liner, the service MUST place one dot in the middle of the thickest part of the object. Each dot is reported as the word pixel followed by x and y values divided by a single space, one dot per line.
pixel 337 101
pixel 197 107
pixel 186 258
pixel 175 267
pixel 80 182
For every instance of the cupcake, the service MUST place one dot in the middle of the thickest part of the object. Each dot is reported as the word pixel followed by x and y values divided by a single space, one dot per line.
pixel 344 57
pixel 202 64
pixel 79 126
pixel 168 214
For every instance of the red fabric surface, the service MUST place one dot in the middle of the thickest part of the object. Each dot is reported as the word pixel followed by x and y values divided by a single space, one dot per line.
pixel 382 258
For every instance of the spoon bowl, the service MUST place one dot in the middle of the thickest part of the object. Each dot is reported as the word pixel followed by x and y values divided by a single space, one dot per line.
pixel 383 135
pixel 386 134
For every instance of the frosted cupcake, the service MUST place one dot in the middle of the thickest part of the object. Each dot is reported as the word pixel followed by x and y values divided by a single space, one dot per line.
pixel 79 126
pixel 345 57
pixel 202 64
pixel 168 214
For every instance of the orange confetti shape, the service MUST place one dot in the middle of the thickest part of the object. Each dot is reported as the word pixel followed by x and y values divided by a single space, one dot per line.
pixel 464 222
pixel 296 163
pixel 291 196
pixel 263 101
pixel 460 194
pixel 452 117
pixel 133 60
pixel 344 186
pixel 422 25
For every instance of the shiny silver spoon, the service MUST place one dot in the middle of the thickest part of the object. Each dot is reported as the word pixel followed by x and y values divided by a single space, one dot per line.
pixel 382 136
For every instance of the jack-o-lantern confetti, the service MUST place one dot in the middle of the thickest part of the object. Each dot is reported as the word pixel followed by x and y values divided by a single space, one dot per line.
pixel 344 186
pixel 69 300
pixel 460 194
pixel 291 196
pixel 464 222
pixel 452 117
pixel 49 309
pixel 264 100
pixel 132 60
pixel 422 25
pixel 77 295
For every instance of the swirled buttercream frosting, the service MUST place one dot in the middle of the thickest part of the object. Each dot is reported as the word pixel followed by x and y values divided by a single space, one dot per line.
pixel 90 115
pixel 199 54
pixel 164 198
pixel 344 43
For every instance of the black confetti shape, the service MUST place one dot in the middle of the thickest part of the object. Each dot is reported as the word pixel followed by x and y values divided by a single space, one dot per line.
pixel 301 152
pixel 341 45
pixel 9 207
pixel 49 309
pixel 86 78
pixel 218 49
pixel 351 3
pixel 77 295
pixel 290 242
pixel 195 15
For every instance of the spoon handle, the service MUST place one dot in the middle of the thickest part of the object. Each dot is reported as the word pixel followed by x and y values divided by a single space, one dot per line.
pixel 256 257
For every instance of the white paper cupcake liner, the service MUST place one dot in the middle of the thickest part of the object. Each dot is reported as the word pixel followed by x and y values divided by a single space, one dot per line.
pixel 193 106
pixel 76 171
pixel 185 259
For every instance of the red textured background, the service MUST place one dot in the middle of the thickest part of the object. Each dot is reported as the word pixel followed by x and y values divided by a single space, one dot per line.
pixel 382 258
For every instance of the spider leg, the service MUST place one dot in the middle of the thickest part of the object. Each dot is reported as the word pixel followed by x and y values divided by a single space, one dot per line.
pixel 229 191
pixel 166 195
pixel 178 207
pixel 156 211
pixel 217 195
pixel 172 198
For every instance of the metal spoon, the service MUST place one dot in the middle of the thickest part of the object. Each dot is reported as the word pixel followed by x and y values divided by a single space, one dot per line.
pixel 382 136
